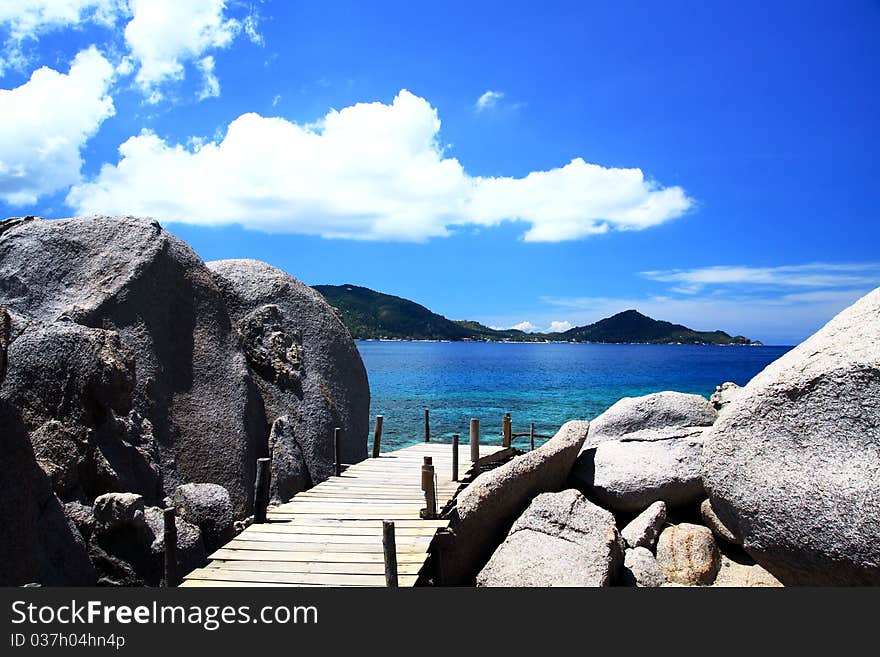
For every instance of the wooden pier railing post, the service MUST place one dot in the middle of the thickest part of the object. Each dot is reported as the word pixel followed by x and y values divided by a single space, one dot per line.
pixel 455 457
pixel 475 440
pixel 506 430
pixel 377 435
pixel 389 547
pixel 430 510
pixel 427 425
pixel 170 538
pixel 532 436
pixel 261 490
pixel 337 441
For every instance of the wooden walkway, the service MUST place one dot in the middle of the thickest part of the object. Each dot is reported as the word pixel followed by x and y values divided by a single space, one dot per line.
pixel 331 535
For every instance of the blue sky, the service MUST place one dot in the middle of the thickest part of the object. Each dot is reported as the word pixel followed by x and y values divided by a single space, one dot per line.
pixel 712 164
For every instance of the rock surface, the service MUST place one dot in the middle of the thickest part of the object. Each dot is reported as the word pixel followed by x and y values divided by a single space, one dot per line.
pixel 207 506
pixel 723 395
pixel 792 466
pixel 190 547
pixel 306 365
pixel 561 539
pixel 659 410
pixel 735 574
pixel 688 554
pixel 713 522
pixel 487 508
pixel 629 474
pixel 132 295
pixel 39 544
pixel 643 530
pixel 290 474
pixel 641 569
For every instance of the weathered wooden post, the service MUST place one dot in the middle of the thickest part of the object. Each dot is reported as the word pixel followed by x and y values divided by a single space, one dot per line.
pixel 427 425
pixel 337 440
pixel 506 430
pixel 389 547
pixel 377 435
pixel 430 510
pixel 170 519
pixel 261 490
pixel 532 436
pixel 475 440
pixel 455 457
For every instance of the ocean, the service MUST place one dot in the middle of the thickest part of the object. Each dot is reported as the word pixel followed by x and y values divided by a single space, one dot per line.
pixel 547 384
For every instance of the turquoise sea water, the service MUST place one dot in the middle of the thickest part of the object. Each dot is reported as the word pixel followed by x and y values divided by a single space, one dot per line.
pixel 547 384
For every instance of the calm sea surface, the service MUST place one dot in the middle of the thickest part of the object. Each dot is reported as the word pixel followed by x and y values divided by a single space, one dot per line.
pixel 547 384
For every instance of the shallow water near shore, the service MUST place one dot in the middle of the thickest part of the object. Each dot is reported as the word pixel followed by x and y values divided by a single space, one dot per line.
pixel 543 383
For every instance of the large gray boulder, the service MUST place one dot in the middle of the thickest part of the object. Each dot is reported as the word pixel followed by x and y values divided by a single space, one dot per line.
pixel 629 474
pixel 39 544
pixel 792 467
pixel 306 365
pixel 129 291
pixel 131 278
pixel 659 410
pixel 486 509
pixel 562 539
pixel 5 334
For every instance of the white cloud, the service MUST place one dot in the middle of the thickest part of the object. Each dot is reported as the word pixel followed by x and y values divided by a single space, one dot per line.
pixel 46 121
pixel 488 100
pixel 276 100
pixel 559 327
pixel 29 18
pixel 211 87
pixel 814 275
pixel 526 326
pixel 165 34
pixel 369 171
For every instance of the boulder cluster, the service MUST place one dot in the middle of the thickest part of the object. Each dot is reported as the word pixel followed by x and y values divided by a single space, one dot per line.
pixel 134 376
pixel 773 483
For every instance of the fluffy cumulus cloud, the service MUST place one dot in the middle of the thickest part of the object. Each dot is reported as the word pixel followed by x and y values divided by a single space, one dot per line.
pixel 560 327
pixel 45 122
pixel 165 34
pixel 369 171
pixel 29 18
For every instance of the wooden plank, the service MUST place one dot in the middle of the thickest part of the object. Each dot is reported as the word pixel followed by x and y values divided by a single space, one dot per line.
pixel 366 548
pixel 354 522
pixel 309 536
pixel 314 567
pixel 330 557
pixel 296 579
pixel 192 583
pixel 325 579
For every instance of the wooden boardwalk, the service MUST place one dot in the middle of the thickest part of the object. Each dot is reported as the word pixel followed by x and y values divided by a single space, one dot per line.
pixel 331 535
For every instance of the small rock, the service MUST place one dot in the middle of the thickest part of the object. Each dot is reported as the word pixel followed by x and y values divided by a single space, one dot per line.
pixel 640 569
pixel 688 554
pixel 734 574
pixel 113 510
pixel 190 547
pixel 81 516
pixel 562 539
pixel 645 528
pixel 209 507
pixel 714 523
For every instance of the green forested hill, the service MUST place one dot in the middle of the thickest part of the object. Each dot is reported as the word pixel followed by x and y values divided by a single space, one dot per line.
pixel 373 315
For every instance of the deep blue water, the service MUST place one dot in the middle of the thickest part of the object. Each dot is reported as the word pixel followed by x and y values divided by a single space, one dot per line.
pixel 547 384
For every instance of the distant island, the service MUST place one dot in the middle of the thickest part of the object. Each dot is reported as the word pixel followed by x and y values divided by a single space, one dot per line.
pixel 371 315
